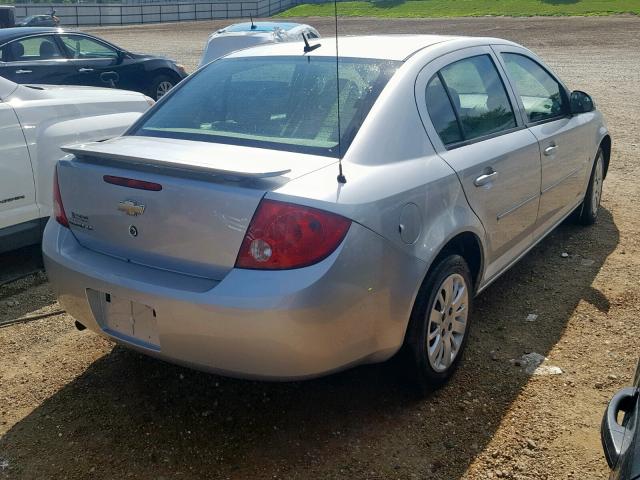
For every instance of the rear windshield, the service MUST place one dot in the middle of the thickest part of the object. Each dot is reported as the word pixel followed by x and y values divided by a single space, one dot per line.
pixel 281 103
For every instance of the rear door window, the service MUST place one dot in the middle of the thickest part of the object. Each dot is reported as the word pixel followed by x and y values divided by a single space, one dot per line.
pixel 32 49
pixel 541 94
pixel 477 99
pixel 442 113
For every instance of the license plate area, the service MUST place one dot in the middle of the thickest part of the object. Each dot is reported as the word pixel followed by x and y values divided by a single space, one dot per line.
pixel 120 317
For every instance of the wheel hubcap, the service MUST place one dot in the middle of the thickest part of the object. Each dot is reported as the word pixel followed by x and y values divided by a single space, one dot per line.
pixel 447 323
pixel 163 88
pixel 597 185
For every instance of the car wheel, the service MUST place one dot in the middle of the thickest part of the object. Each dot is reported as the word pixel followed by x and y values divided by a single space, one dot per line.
pixel 161 86
pixel 588 211
pixel 439 324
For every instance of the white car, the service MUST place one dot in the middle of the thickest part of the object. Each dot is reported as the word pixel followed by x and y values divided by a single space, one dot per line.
pixel 35 120
pixel 250 34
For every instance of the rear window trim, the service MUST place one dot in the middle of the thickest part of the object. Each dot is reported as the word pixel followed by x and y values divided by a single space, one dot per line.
pixel 243 142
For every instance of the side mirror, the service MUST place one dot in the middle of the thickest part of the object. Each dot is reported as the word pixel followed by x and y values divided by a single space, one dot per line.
pixel 581 102
pixel 612 433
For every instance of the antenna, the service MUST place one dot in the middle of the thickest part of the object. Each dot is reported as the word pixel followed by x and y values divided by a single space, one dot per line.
pixel 308 48
pixel 341 178
pixel 253 27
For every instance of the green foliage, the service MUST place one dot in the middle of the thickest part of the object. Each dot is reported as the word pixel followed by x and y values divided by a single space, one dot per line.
pixel 466 8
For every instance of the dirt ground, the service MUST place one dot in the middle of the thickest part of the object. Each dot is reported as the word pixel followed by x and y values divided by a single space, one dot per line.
pixel 74 406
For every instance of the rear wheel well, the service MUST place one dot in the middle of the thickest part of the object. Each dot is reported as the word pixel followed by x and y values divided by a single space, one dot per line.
pixel 468 246
pixel 605 145
pixel 465 244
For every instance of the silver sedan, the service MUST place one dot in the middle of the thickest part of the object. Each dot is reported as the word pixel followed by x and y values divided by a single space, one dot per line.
pixel 281 215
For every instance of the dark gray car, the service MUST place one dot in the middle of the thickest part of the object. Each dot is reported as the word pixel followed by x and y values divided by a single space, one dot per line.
pixel 39 21
pixel 55 56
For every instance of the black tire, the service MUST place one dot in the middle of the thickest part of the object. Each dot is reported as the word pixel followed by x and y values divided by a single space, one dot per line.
pixel 423 375
pixel 587 213
pixel 154 89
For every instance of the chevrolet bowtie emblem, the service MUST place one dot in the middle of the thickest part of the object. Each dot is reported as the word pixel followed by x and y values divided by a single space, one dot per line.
pixel 131 208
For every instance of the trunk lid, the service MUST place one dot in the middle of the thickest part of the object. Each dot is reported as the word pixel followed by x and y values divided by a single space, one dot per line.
pixel 196 222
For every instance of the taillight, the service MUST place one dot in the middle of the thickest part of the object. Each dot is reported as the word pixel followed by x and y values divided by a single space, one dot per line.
pixel 58 208
pixel 283 235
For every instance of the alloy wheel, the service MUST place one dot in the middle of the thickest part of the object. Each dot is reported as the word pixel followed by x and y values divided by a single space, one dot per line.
pixel 597 185
pixel 447 323
pixel 163 88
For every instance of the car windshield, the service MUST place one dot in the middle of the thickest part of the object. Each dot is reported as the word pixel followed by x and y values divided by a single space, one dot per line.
pixel 281 103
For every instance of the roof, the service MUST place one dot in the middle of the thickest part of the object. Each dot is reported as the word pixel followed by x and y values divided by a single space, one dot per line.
pixel 259 27
pixel 8 34
pixel 382 47
pixel 390 47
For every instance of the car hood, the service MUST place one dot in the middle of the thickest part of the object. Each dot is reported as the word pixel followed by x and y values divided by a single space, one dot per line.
pixel 78 93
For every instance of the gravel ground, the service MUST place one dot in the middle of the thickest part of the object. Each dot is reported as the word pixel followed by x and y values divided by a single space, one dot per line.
pixel 74 406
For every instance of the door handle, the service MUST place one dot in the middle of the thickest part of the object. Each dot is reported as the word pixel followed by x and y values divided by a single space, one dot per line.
pixel 85 70
pixel 24 71
pixel 485 178
pixel 550 150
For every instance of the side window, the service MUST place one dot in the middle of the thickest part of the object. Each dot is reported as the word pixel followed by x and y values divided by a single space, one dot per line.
pixel 82 47
pixel 541 95
pixel 311 34
pixel 32 48
pixel 480 103
pixel 441 112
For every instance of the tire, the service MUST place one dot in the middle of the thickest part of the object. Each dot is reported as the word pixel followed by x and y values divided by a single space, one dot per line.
pixel 160 86
pixel 588 212
pixel 429 369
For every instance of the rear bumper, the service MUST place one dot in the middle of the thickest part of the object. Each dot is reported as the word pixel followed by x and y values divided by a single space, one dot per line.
pixel 351 308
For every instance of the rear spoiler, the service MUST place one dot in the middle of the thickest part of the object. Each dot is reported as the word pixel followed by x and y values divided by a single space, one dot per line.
pixel 182 155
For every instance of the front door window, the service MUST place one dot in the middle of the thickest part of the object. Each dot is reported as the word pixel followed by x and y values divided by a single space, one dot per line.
pixel 79 47
pixel 541 94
